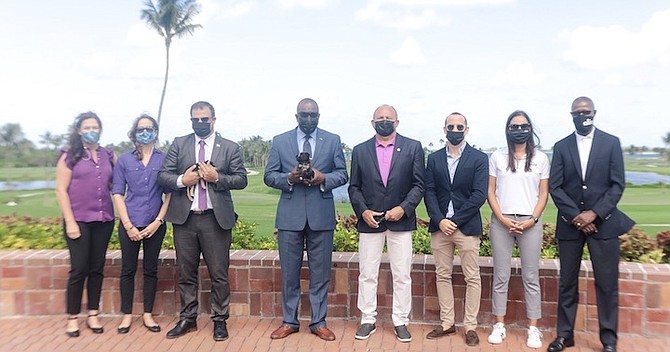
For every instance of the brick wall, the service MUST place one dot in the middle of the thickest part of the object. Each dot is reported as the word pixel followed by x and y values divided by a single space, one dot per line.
pixel 33 283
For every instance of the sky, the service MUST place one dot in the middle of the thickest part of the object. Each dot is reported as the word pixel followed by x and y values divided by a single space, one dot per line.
pixel 255 59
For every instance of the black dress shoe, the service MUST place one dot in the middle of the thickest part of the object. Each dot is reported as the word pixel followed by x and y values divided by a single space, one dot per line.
pixel 609 348
pixel 183 327
pixel 123 329
pixel 220 331
pixel 560 343
pixel 73 333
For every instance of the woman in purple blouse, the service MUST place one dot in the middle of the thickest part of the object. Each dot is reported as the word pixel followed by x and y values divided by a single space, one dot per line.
pixel 83 179
pixel 139 202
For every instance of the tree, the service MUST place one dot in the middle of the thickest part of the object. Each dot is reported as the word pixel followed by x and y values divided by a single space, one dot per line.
pixel 666 141
pixel 255 151
pixel 170 18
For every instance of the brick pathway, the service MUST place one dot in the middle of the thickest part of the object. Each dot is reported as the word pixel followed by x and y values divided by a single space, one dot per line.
pixel 47 333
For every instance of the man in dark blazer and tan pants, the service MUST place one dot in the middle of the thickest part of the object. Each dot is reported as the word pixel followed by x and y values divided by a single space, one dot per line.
pixel 457 179
pixel 201 168
pixel 387 183
pixel 586 183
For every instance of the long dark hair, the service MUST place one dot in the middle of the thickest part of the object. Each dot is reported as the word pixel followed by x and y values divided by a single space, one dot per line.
pixel 76 146
pixel 530 144
pixel 131 133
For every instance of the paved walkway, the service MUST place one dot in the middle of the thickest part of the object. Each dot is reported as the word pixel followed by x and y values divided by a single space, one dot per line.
pixel 47 333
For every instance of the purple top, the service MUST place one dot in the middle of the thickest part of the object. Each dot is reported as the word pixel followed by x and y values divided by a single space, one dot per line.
pixel 145 195
pixel 89 187
pixel 384 156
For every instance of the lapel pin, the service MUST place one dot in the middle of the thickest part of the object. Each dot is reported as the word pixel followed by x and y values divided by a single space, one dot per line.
pixel 398 149
pixel 218 145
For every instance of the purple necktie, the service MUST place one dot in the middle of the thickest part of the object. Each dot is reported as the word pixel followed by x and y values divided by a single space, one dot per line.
pixel 202 196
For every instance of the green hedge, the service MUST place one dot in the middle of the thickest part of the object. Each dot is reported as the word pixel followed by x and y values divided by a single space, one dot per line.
pixel 24 232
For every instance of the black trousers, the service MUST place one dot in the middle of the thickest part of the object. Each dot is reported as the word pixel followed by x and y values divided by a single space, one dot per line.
pixel 605 260
pixel 87 262
pixel 201 233
pixel 129 253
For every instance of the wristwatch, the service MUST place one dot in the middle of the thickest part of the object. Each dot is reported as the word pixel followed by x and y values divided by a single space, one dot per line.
pixel 536 219
pixel 163 221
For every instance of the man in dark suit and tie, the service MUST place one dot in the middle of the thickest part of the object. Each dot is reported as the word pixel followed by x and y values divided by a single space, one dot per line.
pixel 586 183
pixel 386 185
pixel 201 168
pixel 457 179
pixel 305 214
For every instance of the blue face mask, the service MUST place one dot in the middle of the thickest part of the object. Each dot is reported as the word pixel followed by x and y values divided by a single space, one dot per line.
pixel 145 137
pixel 90 137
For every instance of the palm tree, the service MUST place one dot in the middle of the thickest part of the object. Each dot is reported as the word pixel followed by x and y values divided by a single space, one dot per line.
pixel 666 140
pixel 170 18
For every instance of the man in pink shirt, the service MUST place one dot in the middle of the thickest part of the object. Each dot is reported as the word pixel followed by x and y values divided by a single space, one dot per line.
pixel 385 187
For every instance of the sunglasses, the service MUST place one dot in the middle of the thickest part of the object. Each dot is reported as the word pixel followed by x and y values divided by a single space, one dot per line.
pixel 145 129
pixel 305 115
pixel 460 128
pixel 581 113
pixel 513 127
pixel 201 119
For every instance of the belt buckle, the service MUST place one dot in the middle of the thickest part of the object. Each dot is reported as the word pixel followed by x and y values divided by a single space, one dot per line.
pixel 197 212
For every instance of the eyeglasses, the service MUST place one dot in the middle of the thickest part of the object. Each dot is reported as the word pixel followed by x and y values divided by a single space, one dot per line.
pixel 145 129
pixel 460 128
pixel 513 127
pixel 305 115
pixel 581 113
pixel 201 119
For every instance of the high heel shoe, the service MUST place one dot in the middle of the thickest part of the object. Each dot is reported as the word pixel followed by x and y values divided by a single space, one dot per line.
pixel 74 333
pixel 99 330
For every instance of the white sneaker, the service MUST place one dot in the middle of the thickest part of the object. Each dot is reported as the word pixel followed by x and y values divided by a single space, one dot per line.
pixel 534 338
pixel 498 334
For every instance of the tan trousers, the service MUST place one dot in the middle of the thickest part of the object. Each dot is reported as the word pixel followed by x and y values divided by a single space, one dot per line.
pixel 468 249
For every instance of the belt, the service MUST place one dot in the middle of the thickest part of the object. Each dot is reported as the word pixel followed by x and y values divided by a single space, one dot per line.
pixel 517 215
pixel 201 212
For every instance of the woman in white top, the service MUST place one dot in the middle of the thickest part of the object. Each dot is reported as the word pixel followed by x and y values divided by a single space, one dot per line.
pixel 518 193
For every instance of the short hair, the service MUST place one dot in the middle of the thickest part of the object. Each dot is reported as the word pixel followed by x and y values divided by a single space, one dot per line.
pixel 200 105
pixel 305 101
pixel 395 112
pixel 456 113
pixel 584 99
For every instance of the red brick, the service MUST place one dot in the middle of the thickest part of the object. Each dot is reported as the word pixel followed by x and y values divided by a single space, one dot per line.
pixel 12 271
pixel 658 329
pixel 261 273
pixel 658 316
pixel 632 301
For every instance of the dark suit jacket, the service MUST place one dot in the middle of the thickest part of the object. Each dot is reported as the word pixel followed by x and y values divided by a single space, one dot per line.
pixel 232 175
pixel 300 204
pixel 600 191
pixel 467 190
pixel 404 188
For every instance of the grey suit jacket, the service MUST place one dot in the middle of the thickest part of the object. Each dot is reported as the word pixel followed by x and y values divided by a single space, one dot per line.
pixel 404 188
pixel 600 191
pixel 232 175
pixel 300 204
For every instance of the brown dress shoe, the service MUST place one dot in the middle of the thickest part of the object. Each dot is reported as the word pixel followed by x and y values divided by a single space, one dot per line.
pixel 282 332
pixel 439 332
pixel 324 333
pixel 471 338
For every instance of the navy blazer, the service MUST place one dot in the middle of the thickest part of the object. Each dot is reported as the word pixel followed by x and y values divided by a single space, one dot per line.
pixel 300 204
pixel 226 158
pixel 600 191
pixel 404 187
pixel 467 190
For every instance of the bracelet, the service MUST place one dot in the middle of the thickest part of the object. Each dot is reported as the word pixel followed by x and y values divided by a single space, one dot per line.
pixel 132 227
pixel 160 220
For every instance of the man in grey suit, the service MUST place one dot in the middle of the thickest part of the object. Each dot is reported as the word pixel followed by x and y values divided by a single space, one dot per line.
pixel 305 214
pixel 201 168
pixel 387 173
pixel 586 183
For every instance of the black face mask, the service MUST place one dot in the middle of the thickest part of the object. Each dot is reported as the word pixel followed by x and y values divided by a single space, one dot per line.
pixel 201 129
pixel 583 124
pixel 384 127
pixel 308 124
pixel 519 136
pixel 455 138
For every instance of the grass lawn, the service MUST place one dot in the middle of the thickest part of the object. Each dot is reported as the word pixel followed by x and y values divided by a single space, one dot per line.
pixel 649 206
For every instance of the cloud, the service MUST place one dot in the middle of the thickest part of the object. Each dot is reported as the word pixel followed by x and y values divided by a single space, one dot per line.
pixel 413 14
pixel 310 4
pixel 409 54
pixel 603 48
pixel 519 74
pixel 226 9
